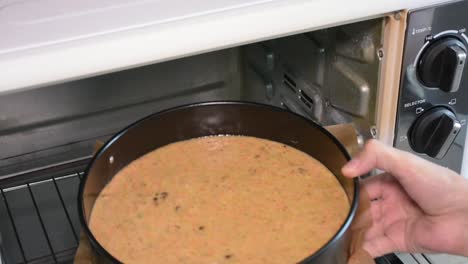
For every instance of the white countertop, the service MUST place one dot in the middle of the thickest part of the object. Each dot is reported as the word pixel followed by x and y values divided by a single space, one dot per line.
pixel 49 41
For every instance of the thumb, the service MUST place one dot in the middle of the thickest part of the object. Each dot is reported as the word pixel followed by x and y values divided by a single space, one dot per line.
pixel 377 155
pixel 425 182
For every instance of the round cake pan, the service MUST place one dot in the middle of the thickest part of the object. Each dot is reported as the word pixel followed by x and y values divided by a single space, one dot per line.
pixel 220 118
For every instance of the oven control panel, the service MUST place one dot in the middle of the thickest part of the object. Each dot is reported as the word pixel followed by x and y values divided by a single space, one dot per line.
pixel 433 99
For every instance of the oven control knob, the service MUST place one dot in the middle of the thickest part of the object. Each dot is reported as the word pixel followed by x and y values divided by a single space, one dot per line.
pixel 441 64
pixel 434 132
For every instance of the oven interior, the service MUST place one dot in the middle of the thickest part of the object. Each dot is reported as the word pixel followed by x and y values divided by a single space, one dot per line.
pixel 48 134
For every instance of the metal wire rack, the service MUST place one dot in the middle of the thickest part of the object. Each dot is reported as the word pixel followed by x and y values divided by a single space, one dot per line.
pixel 39 220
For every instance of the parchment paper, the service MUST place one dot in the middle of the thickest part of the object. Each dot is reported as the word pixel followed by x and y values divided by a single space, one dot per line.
pixel 347 135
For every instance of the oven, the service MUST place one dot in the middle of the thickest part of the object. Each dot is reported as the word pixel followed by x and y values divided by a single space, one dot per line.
pixel 73 74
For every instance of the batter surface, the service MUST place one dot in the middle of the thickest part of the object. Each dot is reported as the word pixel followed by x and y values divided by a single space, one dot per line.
pixel 226 199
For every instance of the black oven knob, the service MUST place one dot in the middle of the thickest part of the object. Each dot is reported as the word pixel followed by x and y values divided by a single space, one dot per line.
pixel 441 64
pixel 434 132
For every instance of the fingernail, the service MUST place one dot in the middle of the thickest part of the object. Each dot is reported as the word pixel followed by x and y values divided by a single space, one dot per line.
pixel 350 166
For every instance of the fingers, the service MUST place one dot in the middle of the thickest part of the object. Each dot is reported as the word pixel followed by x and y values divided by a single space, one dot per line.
pixel 377 228
pixel 373 187
pixel 425 182
pixel 378 155
pixel 379 246
pixel 391 240
pixel 402 165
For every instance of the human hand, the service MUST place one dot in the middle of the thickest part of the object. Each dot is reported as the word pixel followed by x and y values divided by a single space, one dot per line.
pixel 416 206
